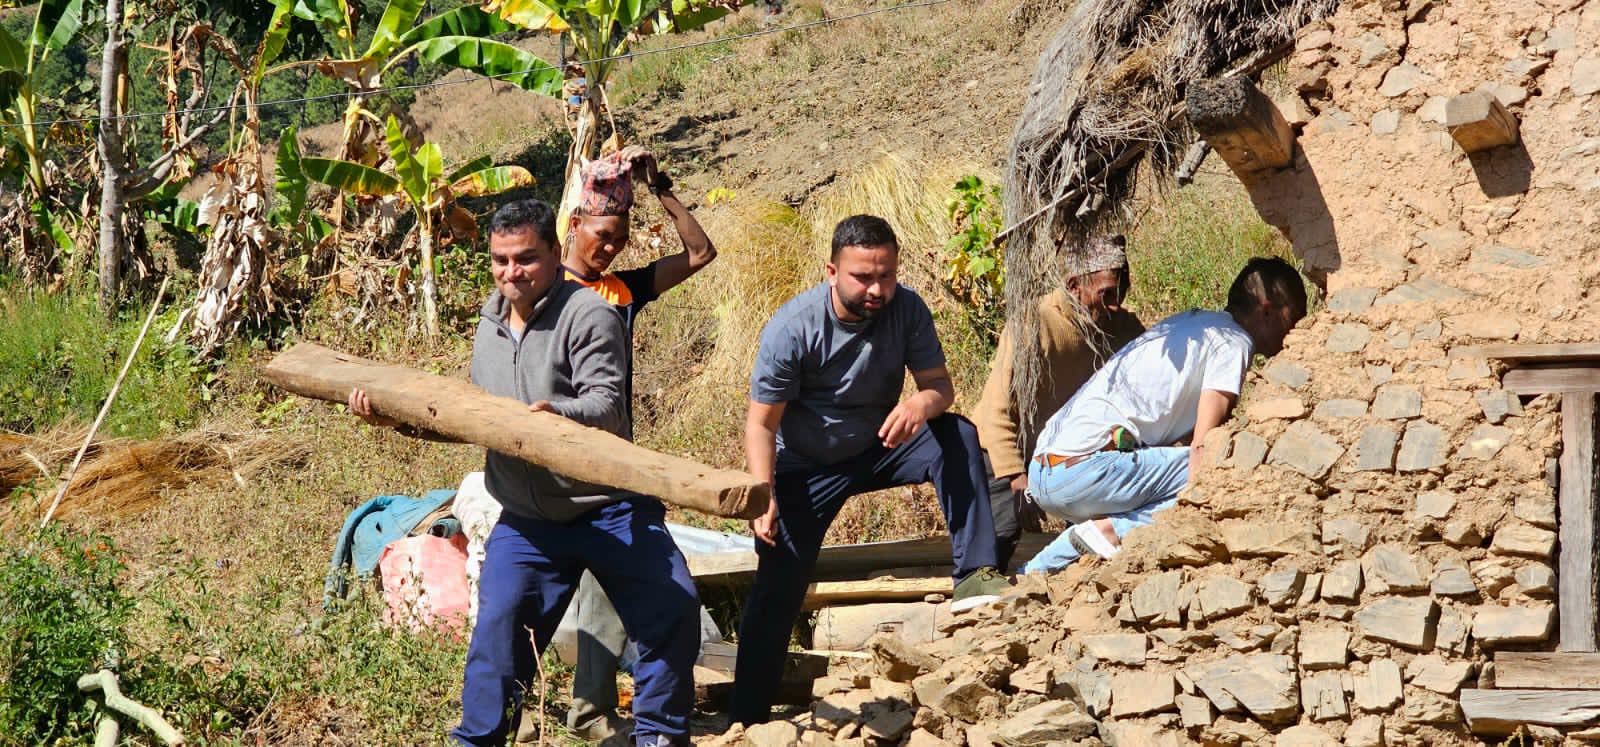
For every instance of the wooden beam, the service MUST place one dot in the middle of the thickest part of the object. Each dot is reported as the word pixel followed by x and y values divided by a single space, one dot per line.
pixel 1498 712
pixel 1241 124
pixel 1553 378
pixel 827 593
pixel 851 562
pixel 1575 575
pixel 1514 352
pixel 1545 670
pixel 458 410
pixel 1478 121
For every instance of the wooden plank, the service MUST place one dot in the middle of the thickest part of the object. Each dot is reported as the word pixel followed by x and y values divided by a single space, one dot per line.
pixel 845 562
pixel 458 410
pixel 1575 574
pixel 1478 122
pixel 1498 712
pixel 826 593
pixel 1554 378
pixel 1241 124
pixel 1545 670
pixel 1543 352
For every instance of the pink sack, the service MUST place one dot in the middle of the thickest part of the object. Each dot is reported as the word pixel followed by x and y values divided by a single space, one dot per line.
pixel 425 583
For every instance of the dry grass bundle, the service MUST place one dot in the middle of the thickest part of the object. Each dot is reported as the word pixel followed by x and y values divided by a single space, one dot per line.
pixel 121 478
pixel 1105 96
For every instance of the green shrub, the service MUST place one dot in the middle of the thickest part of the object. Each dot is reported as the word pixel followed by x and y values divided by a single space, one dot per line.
pixel 61 617
pixel 59 357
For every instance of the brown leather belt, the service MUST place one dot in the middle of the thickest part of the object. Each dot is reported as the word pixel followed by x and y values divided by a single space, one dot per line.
pixel 1056 460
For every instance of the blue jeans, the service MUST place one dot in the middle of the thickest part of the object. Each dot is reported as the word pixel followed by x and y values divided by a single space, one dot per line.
pixel 945 452
pixel 1127 487
pixel 530 570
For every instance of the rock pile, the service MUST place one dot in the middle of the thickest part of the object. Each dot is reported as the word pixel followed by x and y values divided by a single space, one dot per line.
pixel 1379 518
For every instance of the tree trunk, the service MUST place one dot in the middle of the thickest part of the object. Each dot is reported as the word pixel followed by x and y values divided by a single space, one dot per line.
pixel 430 308
pixel 113 63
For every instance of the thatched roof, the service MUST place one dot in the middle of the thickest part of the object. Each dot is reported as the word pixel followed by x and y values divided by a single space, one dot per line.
pixel 1106 96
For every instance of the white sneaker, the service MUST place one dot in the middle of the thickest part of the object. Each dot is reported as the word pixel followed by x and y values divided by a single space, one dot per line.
pixel 1087 539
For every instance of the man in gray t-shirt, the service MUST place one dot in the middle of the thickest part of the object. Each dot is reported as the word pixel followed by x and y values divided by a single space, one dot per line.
pixel 826 422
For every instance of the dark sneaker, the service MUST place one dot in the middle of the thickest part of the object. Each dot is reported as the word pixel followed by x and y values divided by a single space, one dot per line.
pixel 985 585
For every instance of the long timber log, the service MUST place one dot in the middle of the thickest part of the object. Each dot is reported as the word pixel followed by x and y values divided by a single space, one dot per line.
pixel 458 410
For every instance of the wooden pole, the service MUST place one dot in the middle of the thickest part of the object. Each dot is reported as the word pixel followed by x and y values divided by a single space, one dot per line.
pixel 1478 121
pixel 1242 125
pixel 116 386
pixel 458 410
pixel 1575 576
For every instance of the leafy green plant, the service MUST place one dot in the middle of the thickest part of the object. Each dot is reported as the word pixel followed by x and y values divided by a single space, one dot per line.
pixel 61 617
pixel 975 267
pixel 420 178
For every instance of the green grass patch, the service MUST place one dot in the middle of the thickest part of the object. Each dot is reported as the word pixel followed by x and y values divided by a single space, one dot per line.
pixel 59 357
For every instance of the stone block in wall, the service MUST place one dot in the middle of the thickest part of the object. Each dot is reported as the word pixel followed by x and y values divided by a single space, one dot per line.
pixel 1051 722
pixel 1466 369
pixel 1453 628
pixel 1497 257
pixel 1322 696
pixel 1346 533
pixel 1498 404
pixel 1195 711
pixel 1218 597
pixel 1342 582
pixel 1380 689
pixel 1453 581
pixel 1436 674
pixel 1397 402
pixel 1249 450
pixel 1431 708
pixel 1263 684
pixel 1422 447
pixel 1119 648
pixel 1388 567
pixel 1304 448
pixel 1366 731
pixel 1340 409
pixel 1374 451
pixel 1493 575
pixel 1403 621
pixel 1348 337
pixel 1280 589
pixel 1523 540
pixel 1324 649
pixel 1483 325
pixel 1352 300
pixel 1139 693
pixel 1276 408
pixel 1484 442
pixel 1421 291
pixel 1286 374
pixel 1537 507
pixel 1155 601
pixel 1536 580
pixel 1402 79
pixel 1247 539
pixel 1494 625
pixel 1435 504
pixel 1461 533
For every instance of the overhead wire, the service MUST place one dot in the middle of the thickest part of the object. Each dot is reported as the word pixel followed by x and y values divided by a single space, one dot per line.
pixel 302 100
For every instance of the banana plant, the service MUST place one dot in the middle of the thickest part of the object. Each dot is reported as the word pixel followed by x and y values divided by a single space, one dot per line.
pixel 603 30
pixel 420 180
pixel 459 38
pixel 54 25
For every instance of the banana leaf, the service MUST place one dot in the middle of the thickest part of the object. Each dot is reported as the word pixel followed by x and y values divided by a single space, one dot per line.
pixel 431 159
pixel 492 59
pixel 694 19
pixel 47 221
pixel 491 181
pixel 466 20
pixel 397 19
pixel 55 25
pixel 12 55
pixel 273 40
pixel 290 183
pixel 413 177
pixel 535 15
pixel 347 176
pixel 477 164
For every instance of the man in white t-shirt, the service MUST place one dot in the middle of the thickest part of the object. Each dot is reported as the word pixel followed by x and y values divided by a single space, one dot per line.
pixel 1113 455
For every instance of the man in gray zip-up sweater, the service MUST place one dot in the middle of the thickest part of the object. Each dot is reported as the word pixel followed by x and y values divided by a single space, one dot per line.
pixel 560 348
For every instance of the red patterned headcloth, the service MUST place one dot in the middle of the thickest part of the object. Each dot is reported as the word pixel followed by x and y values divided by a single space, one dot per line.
pixel 607 187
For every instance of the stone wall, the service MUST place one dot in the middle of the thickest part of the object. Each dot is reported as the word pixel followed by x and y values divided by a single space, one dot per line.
pixel 1379 518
